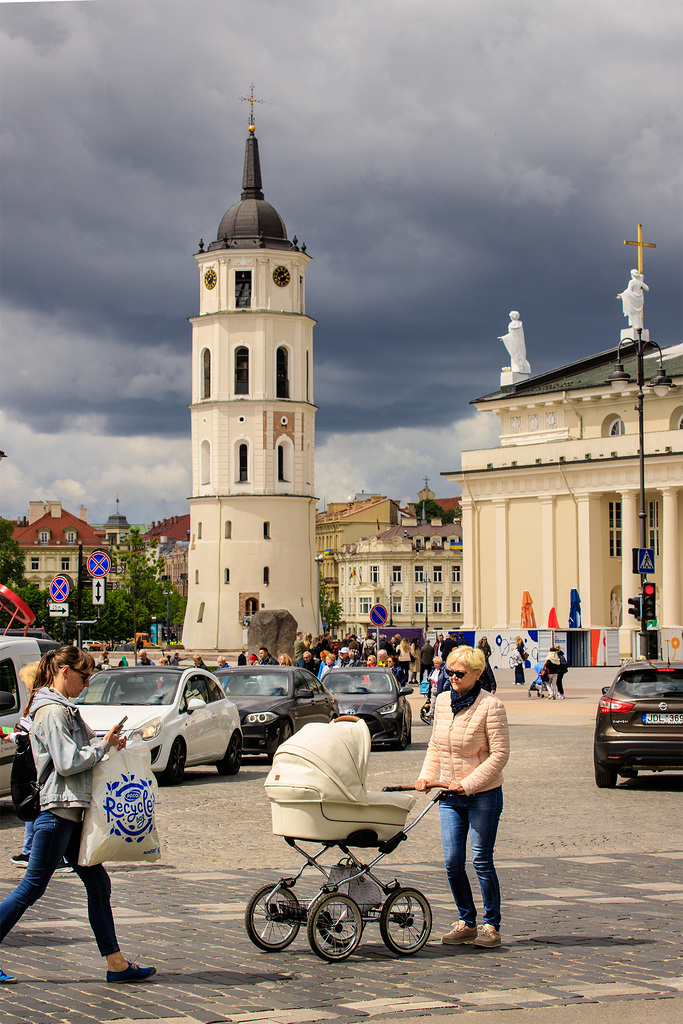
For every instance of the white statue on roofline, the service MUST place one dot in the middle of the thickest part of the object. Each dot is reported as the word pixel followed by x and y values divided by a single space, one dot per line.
pixel 633 299
pixel 514 343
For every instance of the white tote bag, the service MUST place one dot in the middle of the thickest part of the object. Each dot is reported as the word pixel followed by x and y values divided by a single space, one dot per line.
pixel 119 824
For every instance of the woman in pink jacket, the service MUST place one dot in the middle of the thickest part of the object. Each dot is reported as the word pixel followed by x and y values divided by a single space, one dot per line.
pixel 469 747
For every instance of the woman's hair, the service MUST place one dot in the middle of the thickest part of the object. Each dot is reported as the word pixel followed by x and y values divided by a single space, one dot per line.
pixel 404 645
pixel 50 664
pixel 473 657
pixel 382 657
pixel 285 659
pixel 437 657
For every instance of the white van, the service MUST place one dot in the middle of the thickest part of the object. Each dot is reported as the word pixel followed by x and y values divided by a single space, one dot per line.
pixel 15 652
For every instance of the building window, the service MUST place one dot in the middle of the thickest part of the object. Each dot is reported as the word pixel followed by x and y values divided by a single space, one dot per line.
pixel 280 462
pixel 44 537
pixel 617 429
pixel 196 579
pixel 308 380
pixel 282 373
pixel 396 574
pixel 243 289
pixel 243 463
pixel 615 529
pixel 242 371
pixel 35 564
pixel 71 537
pixel 200 613
pixel 419 605
pixel 206 379
pixel 397 606
pixel 226 575
pixel 364 606
pixel 653 526
pixel 266 576
pixel 437 574
pixel 65 564
pixel 419 574
pixel 456 574
pixel 374 574
pixel 438 607
pixel 266 530
pixel 251 606
pixel 205 463
pixel 456 605
pixel 227 533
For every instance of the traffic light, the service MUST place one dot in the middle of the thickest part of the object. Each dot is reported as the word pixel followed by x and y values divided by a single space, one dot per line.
pixel 634 606
pixel 649 605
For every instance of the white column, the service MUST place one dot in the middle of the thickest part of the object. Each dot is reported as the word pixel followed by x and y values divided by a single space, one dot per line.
pixel 502 571
pixel 630 584
pixel 585 507
pixel 670 608
pixel 549 585
pixel 470 564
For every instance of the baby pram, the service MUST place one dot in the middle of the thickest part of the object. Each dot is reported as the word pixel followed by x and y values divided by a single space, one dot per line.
pixel 317 792
pixel 541 687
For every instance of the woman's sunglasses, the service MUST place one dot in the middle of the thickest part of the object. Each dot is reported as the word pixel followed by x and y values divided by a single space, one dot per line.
pixel 454 672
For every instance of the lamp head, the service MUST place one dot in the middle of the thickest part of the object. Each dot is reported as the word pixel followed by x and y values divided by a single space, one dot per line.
pixel 619 379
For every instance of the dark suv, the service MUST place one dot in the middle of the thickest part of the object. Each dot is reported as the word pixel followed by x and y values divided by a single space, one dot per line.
pixel 639 725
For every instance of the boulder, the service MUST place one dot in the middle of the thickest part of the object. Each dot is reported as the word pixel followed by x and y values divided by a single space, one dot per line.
pixel 274 629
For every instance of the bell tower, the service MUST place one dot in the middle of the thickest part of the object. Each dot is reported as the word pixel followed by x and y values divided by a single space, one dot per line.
pixel 252 510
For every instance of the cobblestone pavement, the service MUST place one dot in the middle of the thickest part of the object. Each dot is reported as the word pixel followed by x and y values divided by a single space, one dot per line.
pixel 591 884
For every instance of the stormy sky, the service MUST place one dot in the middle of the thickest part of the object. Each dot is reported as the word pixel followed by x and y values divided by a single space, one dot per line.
pixel 445 161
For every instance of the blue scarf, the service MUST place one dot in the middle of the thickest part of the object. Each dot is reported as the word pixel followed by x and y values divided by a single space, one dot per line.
pixel 463 700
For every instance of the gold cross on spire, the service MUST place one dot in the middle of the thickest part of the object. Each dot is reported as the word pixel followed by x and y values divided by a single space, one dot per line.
pixel 640 243
pixel 251 99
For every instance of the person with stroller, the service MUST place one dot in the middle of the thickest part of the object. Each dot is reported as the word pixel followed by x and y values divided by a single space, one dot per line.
pixel 468 749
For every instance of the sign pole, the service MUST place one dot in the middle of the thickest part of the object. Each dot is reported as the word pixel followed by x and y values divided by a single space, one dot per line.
pixel 79 611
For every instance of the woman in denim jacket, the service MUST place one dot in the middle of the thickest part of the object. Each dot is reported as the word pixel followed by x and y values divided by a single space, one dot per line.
pixel 60 737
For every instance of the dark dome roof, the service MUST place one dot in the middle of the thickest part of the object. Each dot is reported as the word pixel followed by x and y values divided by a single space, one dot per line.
pixel 252 222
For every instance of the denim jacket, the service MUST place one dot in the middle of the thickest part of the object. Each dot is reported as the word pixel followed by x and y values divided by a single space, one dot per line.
pixel 60 736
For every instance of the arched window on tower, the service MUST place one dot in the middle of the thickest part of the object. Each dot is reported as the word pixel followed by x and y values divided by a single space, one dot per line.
pixel 266 576
pixel 206 378
pixel 243 468
pixel 282 373
pixel 280 462
pixel 308 380
pixel 285 460
pixel 251 606
pixel 205 463
pixel 242 371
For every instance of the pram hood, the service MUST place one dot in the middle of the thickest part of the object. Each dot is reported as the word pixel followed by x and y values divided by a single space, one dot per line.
pixel 323 761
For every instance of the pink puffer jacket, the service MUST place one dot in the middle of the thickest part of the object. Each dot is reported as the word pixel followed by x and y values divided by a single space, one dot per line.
pixel 472 747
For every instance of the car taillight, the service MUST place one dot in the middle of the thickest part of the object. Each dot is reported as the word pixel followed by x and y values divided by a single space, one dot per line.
pixel 608 704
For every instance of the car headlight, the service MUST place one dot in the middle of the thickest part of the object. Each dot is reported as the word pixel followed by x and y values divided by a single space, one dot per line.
pixel 388 709
pixel 146 732
pixel 260 717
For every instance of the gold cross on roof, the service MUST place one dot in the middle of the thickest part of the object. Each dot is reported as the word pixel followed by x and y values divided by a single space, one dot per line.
pixel 251 99
pixel 640 243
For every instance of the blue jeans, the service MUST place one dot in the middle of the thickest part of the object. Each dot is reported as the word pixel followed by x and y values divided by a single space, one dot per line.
pixel 479 815
pixel 54 838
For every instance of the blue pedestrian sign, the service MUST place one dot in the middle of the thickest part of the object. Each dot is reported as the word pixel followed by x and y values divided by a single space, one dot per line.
pixel 99 564
pixel 378 615
pixel 643 561
pixel 60 588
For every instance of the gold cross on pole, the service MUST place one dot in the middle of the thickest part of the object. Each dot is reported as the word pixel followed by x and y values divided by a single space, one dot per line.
pixel 640 243
pixel 251 99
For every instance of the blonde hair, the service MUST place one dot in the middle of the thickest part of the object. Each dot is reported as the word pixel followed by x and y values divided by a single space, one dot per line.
pixel 472 657
pixel 285 659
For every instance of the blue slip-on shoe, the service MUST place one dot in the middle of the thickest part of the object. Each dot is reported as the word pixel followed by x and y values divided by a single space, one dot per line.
pixel 7 979
pixel 131 973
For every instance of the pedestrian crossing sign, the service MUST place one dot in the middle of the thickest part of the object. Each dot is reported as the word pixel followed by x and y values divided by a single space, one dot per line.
pixel 643 561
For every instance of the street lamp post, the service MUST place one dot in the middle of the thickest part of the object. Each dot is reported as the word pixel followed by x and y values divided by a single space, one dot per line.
pixel 391 600
pixel 321 583
pixel 427 582
pixel 660 384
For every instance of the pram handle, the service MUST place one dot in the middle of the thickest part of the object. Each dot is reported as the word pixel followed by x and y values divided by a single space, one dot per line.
pixel 402 789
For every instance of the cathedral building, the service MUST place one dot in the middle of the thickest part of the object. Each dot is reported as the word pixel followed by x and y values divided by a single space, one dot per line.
pixel 252 509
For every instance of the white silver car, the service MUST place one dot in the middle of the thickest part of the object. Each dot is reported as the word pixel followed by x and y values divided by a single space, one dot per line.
pixel 181 713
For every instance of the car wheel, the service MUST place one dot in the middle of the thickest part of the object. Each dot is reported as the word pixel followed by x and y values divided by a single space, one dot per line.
pixel 285 733
pixel 175 769
pixel 605 780
pixel 404 739
pixel 232 759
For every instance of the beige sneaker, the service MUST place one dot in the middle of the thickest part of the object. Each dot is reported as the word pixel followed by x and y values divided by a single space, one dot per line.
pixel 488 936
pixel 461 933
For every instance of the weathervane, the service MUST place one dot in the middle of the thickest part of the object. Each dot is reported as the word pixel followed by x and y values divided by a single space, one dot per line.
pixel 251 100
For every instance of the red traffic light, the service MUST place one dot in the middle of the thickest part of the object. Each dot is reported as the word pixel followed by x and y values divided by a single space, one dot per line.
pixel 648 589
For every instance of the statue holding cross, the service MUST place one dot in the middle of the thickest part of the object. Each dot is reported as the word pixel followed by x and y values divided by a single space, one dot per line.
pixel 633 297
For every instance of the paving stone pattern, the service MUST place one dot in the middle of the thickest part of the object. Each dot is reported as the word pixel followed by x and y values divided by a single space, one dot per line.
pixel 591 881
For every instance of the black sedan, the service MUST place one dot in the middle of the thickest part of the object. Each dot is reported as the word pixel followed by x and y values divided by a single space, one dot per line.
pixel 275 701
pixel 639 724
pixel 374 695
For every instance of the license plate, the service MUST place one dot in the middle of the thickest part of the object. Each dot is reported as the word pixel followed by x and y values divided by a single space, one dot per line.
pixel 662 719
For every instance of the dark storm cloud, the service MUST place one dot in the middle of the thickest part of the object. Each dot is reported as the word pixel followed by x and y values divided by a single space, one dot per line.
pixel 444 163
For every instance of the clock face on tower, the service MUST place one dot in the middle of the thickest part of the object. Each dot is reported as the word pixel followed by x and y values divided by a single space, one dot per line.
pixel 281 276
pixel 210 278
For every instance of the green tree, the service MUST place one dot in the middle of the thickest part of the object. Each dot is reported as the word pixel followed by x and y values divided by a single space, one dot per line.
pixel 11 557
pixel 141 580
pixel 332 614
pixel 430 509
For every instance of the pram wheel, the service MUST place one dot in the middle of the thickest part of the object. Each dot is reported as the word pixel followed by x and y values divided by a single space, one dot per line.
pixel 335 926
pixel 405 921
pixel 272 917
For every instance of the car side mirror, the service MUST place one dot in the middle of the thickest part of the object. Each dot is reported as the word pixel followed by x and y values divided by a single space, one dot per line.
pixel 305 694
pixel 606 689
pixel 7 701
pixel 195 704
pixel 405 691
